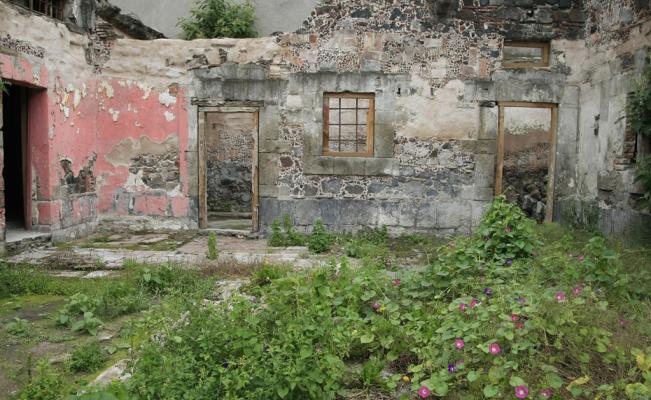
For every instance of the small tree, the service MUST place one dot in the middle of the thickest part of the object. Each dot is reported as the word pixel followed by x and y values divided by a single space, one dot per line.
pixel 219 19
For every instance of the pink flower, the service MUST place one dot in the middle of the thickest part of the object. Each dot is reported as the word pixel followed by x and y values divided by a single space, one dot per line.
pixel 577 290
pixel 396 282
pixel 508 229
pixel 560 297
pixel 581 258
pixel 515 317
pixel 622 322
pixel 424 392
pixel 474 303
pixel 494 349
pixel 459 344
pixel 521 392
pixel 463 307
pixel 546 393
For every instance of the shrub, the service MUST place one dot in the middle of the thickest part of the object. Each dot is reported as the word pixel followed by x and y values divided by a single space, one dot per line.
pixel 319 241
pixel 87 358
pixel 506 232
pixel 213 254
pixel 218 19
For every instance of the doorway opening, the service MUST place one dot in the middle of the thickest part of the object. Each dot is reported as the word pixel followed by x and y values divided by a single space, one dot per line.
pixel 15 170
pixel 229 169
pixel 526 157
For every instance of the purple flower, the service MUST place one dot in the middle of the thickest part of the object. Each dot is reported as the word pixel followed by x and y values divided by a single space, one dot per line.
pixel 474 303
pixel 463 307
pixel 521 392
pixel 521 300
pixel 459 344
pixel 508 229
pixel 494 349
pixel 424 392
pixel 508 262
pixel 560 297
pixel 376 306
pixel 452 368
pixel 488 292
pixel 546 393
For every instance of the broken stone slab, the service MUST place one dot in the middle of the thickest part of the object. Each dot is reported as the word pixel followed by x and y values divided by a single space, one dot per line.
pixel 60 358
pixel 115 373
pixel 100 274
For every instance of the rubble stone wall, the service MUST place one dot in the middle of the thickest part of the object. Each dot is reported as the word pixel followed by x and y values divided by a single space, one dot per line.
pixel 434 67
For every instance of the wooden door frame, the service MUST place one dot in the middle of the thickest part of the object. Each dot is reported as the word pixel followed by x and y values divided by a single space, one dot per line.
pixel 499 173
pixel 202 167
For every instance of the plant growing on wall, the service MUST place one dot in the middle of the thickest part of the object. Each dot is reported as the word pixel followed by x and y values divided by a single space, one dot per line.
pixel 639 114
pixel 219 19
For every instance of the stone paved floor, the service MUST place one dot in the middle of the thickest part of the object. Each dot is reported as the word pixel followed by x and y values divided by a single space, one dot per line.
pixel 92 259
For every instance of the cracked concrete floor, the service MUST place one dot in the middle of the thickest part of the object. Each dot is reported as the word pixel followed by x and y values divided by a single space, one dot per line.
pixel 98 256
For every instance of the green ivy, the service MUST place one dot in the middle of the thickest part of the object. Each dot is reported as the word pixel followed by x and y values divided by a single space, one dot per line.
pixel 639 115
pixel 219 19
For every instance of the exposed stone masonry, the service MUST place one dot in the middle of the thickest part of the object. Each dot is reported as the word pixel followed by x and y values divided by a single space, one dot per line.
pixel 157 171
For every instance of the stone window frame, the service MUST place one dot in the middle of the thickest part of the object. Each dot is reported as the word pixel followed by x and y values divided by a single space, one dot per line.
pixel 545 46
pixel 370 123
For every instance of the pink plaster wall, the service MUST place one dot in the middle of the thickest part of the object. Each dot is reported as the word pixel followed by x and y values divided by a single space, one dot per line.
pixel 85 121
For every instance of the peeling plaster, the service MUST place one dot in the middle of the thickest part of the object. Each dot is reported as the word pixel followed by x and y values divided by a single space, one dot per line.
pixel 166 99
pixel 126 150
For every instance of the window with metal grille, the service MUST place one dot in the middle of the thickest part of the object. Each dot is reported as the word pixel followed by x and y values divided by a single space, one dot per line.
pixel 51 8
pixel 348 124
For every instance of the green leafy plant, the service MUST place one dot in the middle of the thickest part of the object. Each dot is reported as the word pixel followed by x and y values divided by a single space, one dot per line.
pixel 319 241
pixel 45 385
pixel 87 358
pixel 78 305
pixel 19 327
pixel 286 236
pixel 219 19
pixel 213 253
pixel 639 115
pixel 89 323
pixel 506 232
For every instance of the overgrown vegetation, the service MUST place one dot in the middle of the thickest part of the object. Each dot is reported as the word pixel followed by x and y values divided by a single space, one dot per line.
pixel 219 19
pixel 639 115
pixel 518 310
pixel 87 358
pixel 213 253
pixel 286 235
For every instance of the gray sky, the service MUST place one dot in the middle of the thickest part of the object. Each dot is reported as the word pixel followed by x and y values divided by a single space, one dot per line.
pixel 271 15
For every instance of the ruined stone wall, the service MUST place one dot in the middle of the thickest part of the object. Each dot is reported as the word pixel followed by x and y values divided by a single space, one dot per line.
pixel 603 193
pixel 122 129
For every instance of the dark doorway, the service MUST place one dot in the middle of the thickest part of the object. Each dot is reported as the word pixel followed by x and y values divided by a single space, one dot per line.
pixel 14 133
